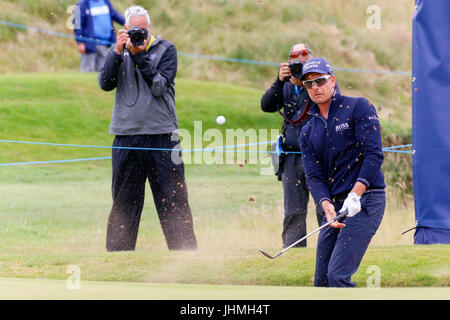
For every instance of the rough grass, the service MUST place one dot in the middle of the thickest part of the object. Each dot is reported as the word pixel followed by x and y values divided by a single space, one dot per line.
pixel 412 266
pixel 70 108
pixel 55 215
pixel 260 30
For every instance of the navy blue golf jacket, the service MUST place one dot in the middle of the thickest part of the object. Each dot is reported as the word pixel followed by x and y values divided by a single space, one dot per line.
pixel 342 149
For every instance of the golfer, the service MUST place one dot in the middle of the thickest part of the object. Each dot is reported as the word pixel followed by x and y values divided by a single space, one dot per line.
pixel 342 155
pixel 144 117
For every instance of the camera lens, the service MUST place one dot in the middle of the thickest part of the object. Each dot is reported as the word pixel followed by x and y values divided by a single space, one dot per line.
pixel 296 68
pixel 137 39
pixel 137 36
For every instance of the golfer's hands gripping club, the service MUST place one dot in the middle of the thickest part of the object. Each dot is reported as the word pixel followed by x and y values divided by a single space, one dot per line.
pixel 352 204
pixel 330 213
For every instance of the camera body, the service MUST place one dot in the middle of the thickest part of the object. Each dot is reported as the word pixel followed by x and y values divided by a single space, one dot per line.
pixel 296 68
pixel 137 35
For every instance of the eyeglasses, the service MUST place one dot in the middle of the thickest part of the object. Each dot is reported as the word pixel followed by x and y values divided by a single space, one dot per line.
pixel 296 54
pixel 319 81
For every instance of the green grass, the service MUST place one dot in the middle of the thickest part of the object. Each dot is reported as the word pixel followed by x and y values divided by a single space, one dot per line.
pixel 414 266
pixel 55 215
pixel 260 30
pixel 70 108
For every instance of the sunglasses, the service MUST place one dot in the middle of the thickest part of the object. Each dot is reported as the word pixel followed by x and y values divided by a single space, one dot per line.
pixel 319 81
pixel 296 54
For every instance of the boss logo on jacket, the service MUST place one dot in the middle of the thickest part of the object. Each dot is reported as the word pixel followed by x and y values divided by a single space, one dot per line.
pixel 341 127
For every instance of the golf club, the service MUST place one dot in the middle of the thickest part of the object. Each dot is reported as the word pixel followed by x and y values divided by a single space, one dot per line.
pixel 343 214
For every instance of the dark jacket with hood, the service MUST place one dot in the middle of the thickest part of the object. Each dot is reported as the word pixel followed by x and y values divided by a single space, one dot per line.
pixel 145 95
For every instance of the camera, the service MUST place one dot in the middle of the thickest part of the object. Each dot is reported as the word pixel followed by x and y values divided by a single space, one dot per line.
pixel 137 35
pixel 296 68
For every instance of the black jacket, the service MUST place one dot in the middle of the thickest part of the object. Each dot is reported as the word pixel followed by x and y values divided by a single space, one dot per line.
pixel 295 102
pixel 292 101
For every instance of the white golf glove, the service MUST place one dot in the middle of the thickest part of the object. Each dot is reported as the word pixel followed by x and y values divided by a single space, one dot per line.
pixel 351 204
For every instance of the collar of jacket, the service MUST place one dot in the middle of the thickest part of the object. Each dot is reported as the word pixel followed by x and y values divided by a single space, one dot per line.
pixel 153 41
pixel 314 110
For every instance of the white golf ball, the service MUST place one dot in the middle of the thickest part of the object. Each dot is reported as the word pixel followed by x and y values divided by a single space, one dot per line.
pixel 220 120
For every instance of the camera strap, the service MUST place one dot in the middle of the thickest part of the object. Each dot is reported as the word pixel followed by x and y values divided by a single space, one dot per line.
pixel 128 83
pixel 301 118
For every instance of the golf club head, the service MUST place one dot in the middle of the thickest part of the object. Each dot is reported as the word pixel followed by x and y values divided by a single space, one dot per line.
pixel 266 254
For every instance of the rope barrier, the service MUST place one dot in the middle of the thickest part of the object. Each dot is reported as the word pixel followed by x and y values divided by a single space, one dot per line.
pixel 51 161
pixel 215 149
pixel 136 148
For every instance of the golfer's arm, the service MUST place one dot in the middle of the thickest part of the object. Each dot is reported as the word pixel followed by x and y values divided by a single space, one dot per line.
pixel 359 188
pixel 368 135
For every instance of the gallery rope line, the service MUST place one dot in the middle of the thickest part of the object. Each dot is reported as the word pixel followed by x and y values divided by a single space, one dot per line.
pixel 224 148
pixel 51 161
pixel 397 147
pixel 394 149
pixel 54 33
pixel 215 149
pixel 195 55
pixel 387 149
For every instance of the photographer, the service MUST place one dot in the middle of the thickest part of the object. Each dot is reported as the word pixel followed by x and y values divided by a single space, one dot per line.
pixel 143 67
pixel 287 93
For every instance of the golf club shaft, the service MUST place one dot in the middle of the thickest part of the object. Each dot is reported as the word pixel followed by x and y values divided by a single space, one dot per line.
pixel 312 232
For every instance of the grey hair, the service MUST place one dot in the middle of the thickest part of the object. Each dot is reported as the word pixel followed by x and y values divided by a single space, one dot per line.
pixel 306 46
pixel 136 11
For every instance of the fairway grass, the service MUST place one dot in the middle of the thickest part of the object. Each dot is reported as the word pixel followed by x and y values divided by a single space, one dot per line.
pixel 54 216
pixel 413 266
pixel 38 289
